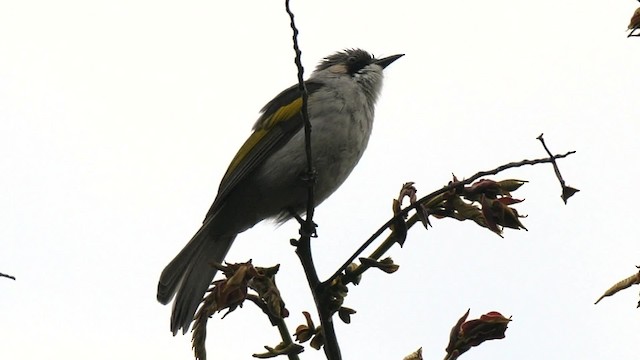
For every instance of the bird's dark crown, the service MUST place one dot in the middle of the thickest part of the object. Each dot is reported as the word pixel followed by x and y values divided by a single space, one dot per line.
pixel 353 59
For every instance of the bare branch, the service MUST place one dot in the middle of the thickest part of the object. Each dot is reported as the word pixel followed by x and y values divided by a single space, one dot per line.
pixel 567 191
pixel 303 246
pixel 453 185
pixel 7 276
pixel 310 176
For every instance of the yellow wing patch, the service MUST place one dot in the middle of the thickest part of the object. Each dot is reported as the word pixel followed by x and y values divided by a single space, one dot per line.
pixel 244 150
pixel 284 113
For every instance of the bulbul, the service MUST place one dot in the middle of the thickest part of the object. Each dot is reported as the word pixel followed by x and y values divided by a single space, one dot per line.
pixel 265 178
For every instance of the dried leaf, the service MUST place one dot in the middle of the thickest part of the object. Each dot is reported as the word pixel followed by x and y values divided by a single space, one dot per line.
pixel 567 192
pixel 396 207
pixel 318 341
pixel 228 294
pixel 508 200
pixel 621 285
pixel 279 350
pixel 349 271
pixel 511 185
pixel 453 335
pixel 408 190
pixel 423 215
pixel 511 219
pixel 399 226
pixel 387 265
pixel 466 334
pixel 498 214
pixel 264 284
pixel 489 216
pixel 199 336
pixel 345 314
pixel 306 331
pixel 231 292
pixel 303 333
pixel 400 231
pixel 416 355
pixel 483 187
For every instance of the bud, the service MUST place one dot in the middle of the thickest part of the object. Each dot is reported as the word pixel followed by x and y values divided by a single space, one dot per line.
pixel 466 334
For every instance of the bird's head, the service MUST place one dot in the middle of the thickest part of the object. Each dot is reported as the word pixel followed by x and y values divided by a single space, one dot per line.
pixel 354 62
pixel 357 65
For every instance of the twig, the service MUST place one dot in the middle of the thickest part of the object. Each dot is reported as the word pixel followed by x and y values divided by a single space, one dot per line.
pixel 427 198
pixel 567 191
pixel 285 334
pixel 303 249
pixel 309 227
pixel 7 276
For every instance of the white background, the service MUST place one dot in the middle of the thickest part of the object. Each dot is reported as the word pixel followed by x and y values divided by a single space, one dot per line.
pixel 118 119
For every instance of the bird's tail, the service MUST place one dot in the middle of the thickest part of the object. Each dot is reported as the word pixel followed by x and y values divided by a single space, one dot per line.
pixel 189 274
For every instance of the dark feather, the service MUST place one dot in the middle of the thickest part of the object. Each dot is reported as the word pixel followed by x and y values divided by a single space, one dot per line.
pixel 274 138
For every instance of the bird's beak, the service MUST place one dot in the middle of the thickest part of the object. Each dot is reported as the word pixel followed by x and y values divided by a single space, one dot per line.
pixel 384 62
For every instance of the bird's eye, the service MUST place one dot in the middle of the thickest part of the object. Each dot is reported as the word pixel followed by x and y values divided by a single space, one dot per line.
pixel 351 60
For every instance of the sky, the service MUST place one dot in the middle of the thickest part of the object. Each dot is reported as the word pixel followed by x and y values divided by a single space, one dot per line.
pixel 119 118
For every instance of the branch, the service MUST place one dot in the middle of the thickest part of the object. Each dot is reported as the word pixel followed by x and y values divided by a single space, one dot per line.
pixel 287 347
pixel 230 293
pixel 403 213
pixel 567 191
pixel 7 276
pixel 307 230
pixel 310 178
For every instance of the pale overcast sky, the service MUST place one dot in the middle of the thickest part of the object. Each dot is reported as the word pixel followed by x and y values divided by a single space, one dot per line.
pixel 119 118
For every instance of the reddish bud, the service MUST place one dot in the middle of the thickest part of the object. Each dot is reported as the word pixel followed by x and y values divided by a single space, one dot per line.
pixel 466 334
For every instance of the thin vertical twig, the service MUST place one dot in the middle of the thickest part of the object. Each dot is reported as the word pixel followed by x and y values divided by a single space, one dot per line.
pixel 307 124
pixel 307 231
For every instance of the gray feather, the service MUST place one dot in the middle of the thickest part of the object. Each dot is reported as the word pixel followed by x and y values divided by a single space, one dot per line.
pixel 189 275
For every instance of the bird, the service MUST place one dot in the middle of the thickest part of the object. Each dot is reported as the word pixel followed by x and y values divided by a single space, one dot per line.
pixel 265 178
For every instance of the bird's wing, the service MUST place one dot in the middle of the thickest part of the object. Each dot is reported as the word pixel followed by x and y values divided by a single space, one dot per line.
pixel 281 118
